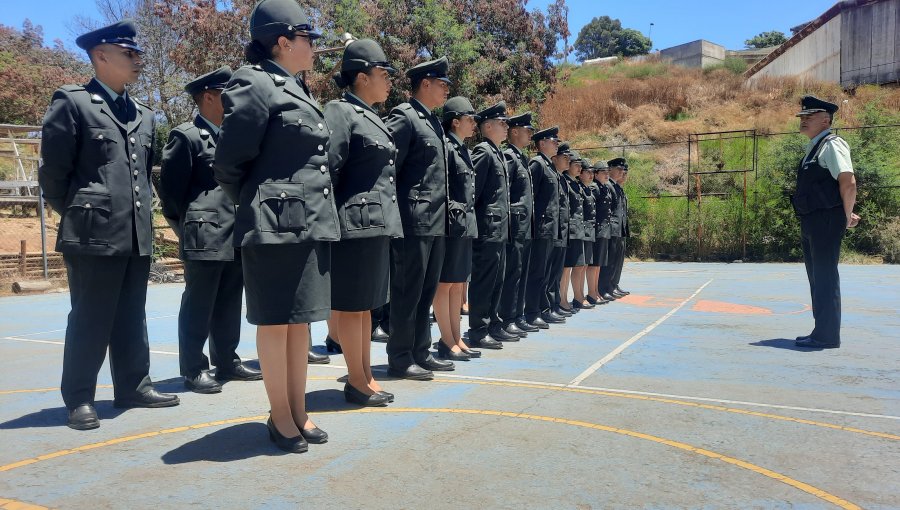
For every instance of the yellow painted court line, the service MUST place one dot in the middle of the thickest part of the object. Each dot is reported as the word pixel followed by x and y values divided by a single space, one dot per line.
pixel 809 489
pixel 12 504
pixel 42 390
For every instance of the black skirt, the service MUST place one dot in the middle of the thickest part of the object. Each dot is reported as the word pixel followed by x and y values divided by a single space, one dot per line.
pixel 575 253
pixel 457 260
pixel 588 253
pixel 287 283
pixel 360 273
pixel 601 250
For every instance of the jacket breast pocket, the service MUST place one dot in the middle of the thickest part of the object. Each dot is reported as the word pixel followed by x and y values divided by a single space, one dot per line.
pixel 282 207
pixel 491 221
pixel 201 230
pixel 363 211
pixel 295 119
pixel 103 146
pixel 86 220
pixel 420 206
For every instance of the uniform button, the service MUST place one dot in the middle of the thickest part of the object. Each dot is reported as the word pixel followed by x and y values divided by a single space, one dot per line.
pixel 391 178
pixel 391 162
pixel 138 203
pixel 364 200
pixel 87 205
pixel 137 189
pixel 321 147
pixel 135 173
pixel 134 157
pixel 325 191
pixel 393 198
pixel 321 126
pixel 99 137
pixel 390 144
pixel 323 168
pixel 132 139
pixel 283 194
pixel 300 122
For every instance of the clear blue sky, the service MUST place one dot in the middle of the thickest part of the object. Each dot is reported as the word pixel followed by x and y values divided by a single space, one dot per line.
pixel 725 22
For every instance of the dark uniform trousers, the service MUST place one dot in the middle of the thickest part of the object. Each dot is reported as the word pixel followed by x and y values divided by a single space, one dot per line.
pixel 417 262
pixel 108 295
pixel 555 266
pixel 536 297
pixel 610 273
pixel 210 308
pixel 820 233
pixel 620 261
pixel 488 267
pixel 512 297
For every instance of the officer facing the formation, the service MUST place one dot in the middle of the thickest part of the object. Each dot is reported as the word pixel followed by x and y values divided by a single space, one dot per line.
pixel 97 156
pixel 617 223
pixel 492 216
pixel 603 201
pixel 546 229
pixel 417 258
pixel 557 261
pixel 203 218
pixel 521 227
pixel 824 201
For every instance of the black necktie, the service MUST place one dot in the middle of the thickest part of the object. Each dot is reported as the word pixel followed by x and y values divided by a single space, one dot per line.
pixel 121 109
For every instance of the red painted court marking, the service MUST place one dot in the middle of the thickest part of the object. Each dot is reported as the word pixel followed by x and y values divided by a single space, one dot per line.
pixel 705 305
pixel 650 301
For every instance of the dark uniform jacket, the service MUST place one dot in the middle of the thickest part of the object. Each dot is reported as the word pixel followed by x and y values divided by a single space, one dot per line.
pixel 617 214
pixel 622 207
pixel 576 208
pixel 546 197
pixel 421 164
pixel 96 171
pixel 192 201
pixel 461 183
pixel 362 167
pixel 603 203
pixel 521 195
pixel 491 193
pixel 590 212
pixel 562 238
pixel 272 159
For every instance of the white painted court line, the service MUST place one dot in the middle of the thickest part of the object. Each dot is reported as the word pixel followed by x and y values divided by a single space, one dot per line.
pixel 618 350
pixel 57 342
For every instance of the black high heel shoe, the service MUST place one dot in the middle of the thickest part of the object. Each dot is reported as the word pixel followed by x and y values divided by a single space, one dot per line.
pixel 444 352
pixel 472 353
pixel 332 346
pixel 390 396
pixel 288 444
pixel 314 435
pixel 354 396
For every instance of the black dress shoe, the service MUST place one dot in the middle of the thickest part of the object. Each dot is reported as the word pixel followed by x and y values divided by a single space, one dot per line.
pixel 354 396
pixel 497 332
pixel 485 342
pixel 150 398
pixel 552 318
pixel 314 435
pixel 239 372
pixel 390 396
pixel 523 325
pixel 609 297
pixel 618 295
pixel 558 315
pixel 379 335
pixel 413 372
pixel 203 383
pixel 446 353
pixel 436 365
pixel 563 312
pixel 83 417
pixel 811 343
pixel 804 337
pixel 314 358
pixel 288 444
pixel 472 353
pixel 513 329
pixel 590 300
pixel 332 346
pixel 539 323
pixel 625 292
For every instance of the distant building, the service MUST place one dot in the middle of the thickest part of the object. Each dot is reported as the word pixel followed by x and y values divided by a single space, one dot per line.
pixel 697 53
pixel 855 42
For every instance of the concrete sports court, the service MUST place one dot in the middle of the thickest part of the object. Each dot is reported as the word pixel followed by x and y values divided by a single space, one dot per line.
pixel 686 394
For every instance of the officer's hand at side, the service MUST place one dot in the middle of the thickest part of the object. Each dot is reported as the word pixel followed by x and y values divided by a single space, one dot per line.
pixel 853 220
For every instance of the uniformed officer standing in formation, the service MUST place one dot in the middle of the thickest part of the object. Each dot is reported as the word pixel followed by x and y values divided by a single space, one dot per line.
pixel 574 260
pixel 521 227
pixel 558 255
pixel 272 161
pixel 618 232
pixel 619 184
pixel 97 155
pixel 824 201
pixel 362 164
pixel 546 229
pixel 203 218
pixel 492 217
pixel 579 274
pixel 603 201
pixel 417 258
pixel 460 123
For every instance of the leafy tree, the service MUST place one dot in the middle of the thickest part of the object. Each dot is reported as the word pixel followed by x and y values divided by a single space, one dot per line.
pixel 766 40
pixel 605 37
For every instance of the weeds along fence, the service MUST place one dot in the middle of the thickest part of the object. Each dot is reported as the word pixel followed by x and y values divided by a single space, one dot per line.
pixel 725 196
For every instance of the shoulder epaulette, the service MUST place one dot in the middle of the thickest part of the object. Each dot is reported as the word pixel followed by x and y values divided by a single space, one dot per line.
pixel 72 88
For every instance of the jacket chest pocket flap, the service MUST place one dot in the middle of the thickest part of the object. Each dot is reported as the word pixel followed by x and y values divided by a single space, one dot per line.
pixel 363 211
pixel 86 219
pixel 201 230
pixel 282 207
pixel 103 145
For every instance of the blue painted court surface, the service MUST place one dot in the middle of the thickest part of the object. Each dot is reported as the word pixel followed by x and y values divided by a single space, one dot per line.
pixel 686 394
